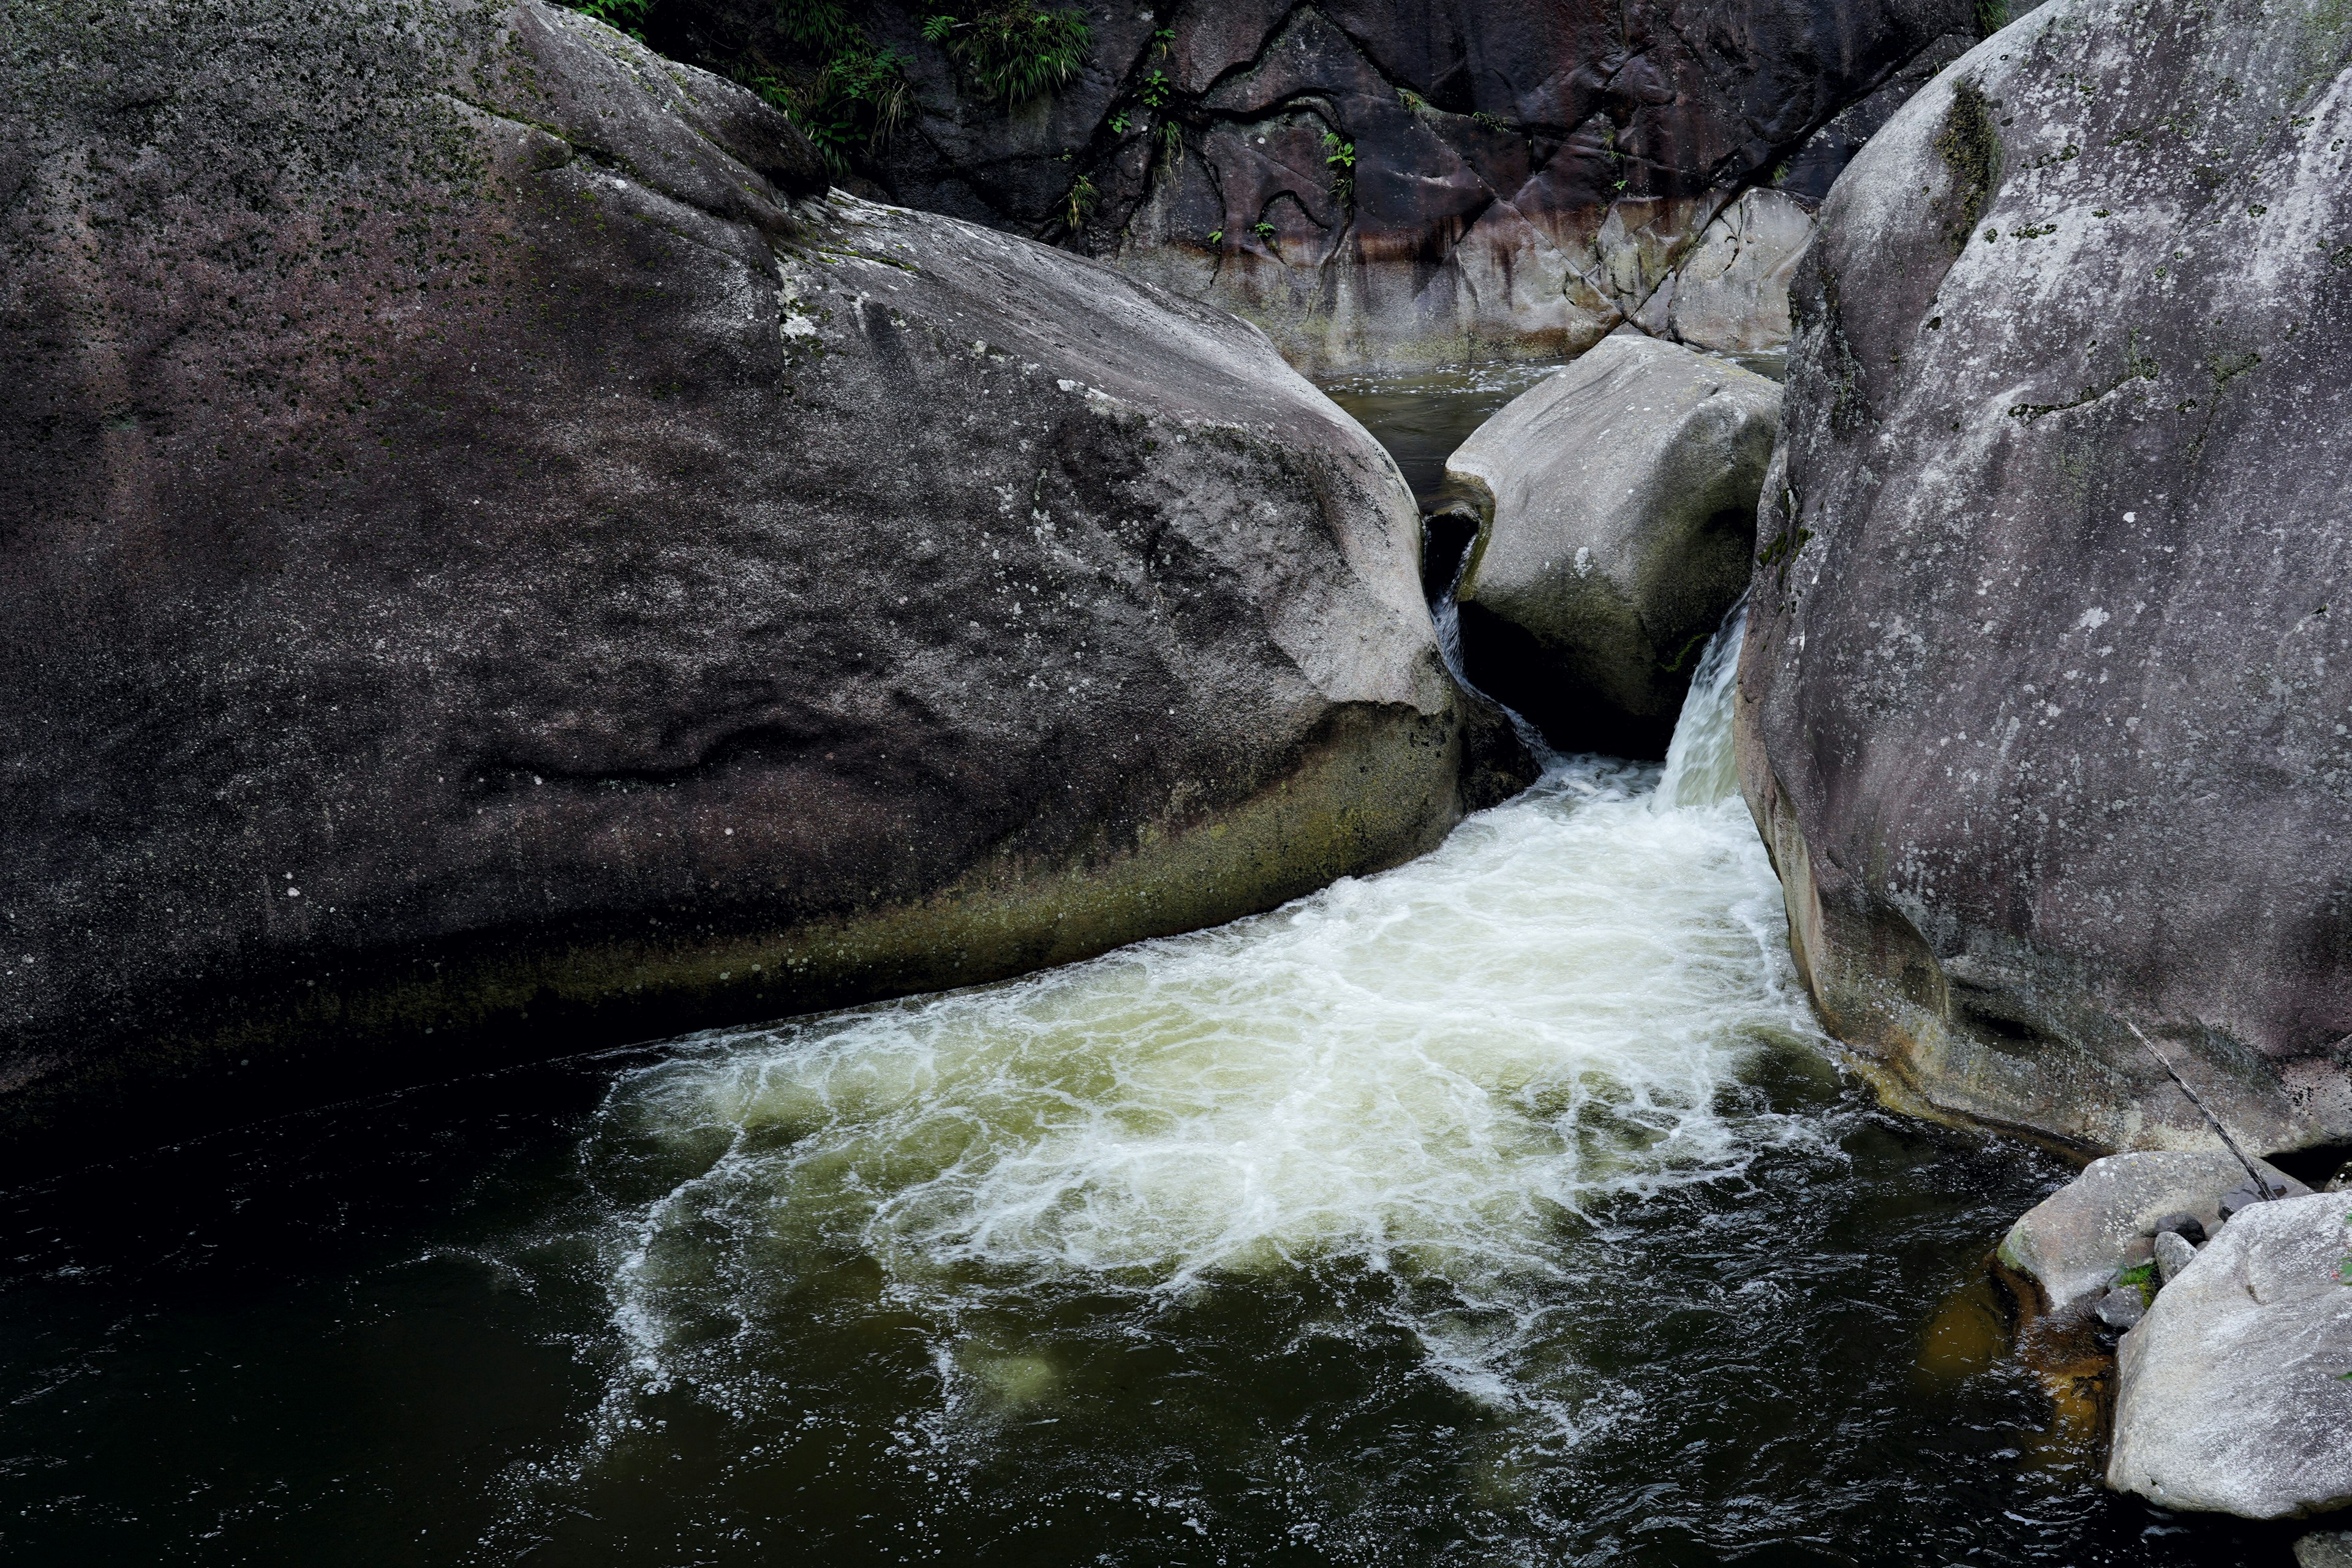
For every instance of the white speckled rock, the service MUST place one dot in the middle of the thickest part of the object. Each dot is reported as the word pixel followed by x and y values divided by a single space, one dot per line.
pixel 2325 1548
pixel 2071 1242
pixel 2045 705
pixel 2229 1394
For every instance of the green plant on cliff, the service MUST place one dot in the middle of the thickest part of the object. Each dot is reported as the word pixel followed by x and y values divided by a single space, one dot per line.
pixel 1992 15
pixel 845 94
pixel 627 16
pixel 1011 51
pixel 1340 157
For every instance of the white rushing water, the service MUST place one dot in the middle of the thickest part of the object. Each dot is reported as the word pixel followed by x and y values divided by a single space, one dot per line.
pixel 1419 1073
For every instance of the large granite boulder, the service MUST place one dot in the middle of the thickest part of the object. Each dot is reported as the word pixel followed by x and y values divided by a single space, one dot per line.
pixel 2231 1395
pixel 1523 178
pixel 2070 1244
pixel 2046 704
pixel 1619 504
pixel 494 561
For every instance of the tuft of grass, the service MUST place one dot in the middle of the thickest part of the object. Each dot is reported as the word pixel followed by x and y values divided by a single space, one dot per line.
pixel 1011 51
pixel 625 15
pixel 1340 157
pixel 845 95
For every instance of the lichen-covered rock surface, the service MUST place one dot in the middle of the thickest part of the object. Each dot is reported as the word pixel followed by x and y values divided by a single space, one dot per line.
pixel 2229 1394
pixel 2046 704
pixel 1517 178
pixel 1618 499
pixel 495 562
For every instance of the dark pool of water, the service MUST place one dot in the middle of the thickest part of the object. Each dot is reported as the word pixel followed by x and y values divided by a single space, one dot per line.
pixel 1420 419
pixel 382 1334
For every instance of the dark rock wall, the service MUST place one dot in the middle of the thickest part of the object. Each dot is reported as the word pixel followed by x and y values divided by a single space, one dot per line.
pixel 2046 704
pixel 1525 174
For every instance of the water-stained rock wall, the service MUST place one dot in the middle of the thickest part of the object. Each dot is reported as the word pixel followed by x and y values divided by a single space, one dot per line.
pixel 1427 182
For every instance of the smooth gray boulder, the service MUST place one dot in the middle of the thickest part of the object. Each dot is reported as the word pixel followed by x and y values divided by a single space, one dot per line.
pixel 1619 500
pixel 2325 1548
pixel 495 562
pixel 2231 1395
pixel 2046 707
pixel 2071 1243
pixel 2173 1254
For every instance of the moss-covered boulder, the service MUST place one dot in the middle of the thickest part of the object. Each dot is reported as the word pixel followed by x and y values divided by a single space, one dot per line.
pixel 496 560
pixel 2046 703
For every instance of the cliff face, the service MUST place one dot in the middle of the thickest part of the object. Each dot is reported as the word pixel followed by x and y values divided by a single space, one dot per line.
pixel 1419 182
pixel 2045 692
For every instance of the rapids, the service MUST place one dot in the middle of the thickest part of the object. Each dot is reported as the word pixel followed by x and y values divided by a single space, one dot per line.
pixel 1506 1207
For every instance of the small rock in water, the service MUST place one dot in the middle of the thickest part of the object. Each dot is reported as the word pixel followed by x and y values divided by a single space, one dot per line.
pixel 2074 1241
pixel 2341 1181
pixel 2324 1548
pixel 2173 1254
pixel 2120 1308
pixel 2186 1225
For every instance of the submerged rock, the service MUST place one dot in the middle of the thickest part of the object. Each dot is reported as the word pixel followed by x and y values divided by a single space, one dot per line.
pixel 2044 704
pixel 495 562
pixel 1619 498
pixel 2231 1395
pixel 2071 1243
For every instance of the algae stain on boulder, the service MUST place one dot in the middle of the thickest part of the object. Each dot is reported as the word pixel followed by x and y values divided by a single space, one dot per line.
pixel 1619 499
pixel 497 561
pixel 2046 701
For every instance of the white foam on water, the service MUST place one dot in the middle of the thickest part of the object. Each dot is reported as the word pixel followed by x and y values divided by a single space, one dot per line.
pixel 1421 1071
